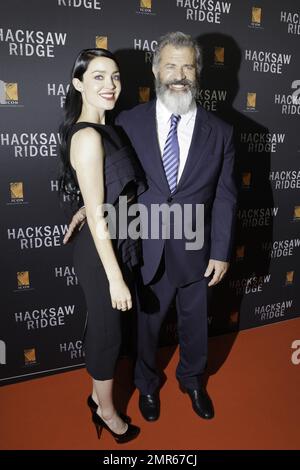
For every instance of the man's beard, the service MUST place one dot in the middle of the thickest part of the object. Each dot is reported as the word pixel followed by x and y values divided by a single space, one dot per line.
pixel 177 102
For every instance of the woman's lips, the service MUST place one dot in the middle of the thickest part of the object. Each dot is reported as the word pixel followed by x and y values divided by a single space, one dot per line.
pixel 107 96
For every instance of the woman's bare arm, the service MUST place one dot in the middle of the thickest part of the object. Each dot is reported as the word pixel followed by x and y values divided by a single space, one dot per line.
pixel 87 157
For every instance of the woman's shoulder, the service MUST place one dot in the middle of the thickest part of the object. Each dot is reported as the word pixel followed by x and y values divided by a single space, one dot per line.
pixel 85 137
pixel 86 144
pixel 106 132
pixel 84 131
pixel 85 128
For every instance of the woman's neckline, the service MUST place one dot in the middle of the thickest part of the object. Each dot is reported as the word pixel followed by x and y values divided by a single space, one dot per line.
pixel 92 123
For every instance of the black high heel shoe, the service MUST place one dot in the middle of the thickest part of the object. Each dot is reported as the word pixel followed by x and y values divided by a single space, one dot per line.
pixel 93 407
pixel 131 433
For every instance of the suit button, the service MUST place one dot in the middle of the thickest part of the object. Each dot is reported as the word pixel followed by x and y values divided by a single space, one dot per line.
pixel 170 199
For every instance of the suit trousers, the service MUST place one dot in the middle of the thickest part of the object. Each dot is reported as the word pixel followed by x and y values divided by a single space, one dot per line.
pixel 154 301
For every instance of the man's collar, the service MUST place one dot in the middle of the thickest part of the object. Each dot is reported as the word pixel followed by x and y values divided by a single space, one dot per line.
pixel 165 114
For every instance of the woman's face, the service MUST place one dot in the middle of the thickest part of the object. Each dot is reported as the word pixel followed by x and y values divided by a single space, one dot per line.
pixel 100 85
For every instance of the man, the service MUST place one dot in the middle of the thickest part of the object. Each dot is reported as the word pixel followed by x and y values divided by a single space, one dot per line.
pixel 187 154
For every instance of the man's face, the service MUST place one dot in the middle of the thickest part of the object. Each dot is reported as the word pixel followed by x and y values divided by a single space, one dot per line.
pixel 175 78
pixel 176 65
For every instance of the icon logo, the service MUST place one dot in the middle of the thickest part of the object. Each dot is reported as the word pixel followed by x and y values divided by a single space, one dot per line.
pixel 289 279
pixel 101 42
pixel 144 94
pixel 240 252
pixel 219 55
pixel 29 356
pixel 251 101
pixel 256 16
pixel 23 279
pixel 16 191
pixel 246 180
pixel 8 93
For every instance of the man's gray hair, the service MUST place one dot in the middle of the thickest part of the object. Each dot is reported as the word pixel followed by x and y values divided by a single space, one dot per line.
pixel 177 39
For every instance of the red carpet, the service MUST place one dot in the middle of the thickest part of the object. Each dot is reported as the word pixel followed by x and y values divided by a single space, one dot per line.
pixel 253 384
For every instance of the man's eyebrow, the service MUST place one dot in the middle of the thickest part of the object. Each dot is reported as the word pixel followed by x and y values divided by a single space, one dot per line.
pixel 184 65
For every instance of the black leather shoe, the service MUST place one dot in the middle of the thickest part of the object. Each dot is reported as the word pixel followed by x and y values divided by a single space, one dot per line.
pixel 201 402
pixel 149 406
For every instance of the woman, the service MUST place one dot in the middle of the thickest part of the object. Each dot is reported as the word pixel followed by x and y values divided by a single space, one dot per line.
pixel 97 167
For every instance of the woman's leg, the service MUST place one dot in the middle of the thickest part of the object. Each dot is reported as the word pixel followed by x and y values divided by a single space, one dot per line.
pixel 103 395
pixel 103 329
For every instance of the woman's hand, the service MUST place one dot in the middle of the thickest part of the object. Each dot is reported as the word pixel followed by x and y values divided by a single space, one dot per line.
pixel 120 295
pixel 77 221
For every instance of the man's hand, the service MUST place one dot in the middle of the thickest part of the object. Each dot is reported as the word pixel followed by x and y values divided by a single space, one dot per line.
pixel 78 219
pixel 219 267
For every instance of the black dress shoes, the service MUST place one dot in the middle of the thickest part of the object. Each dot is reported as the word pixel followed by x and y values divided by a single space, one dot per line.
pixel 149 406
pixel 201 402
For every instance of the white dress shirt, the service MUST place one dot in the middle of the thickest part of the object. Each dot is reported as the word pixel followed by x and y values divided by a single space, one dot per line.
pixel 185 130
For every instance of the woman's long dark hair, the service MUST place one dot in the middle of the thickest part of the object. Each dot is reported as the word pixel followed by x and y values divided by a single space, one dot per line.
pixel 72 109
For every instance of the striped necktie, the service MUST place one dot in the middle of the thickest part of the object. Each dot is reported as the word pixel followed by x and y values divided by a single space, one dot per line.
pixel 170 156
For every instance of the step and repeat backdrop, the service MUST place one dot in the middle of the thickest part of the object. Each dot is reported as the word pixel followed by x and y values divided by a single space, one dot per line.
pixel 250 78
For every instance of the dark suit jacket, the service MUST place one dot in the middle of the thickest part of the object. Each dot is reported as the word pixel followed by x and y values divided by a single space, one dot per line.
pixel 207 179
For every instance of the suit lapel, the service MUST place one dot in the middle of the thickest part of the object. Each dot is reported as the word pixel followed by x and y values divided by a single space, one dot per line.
pixel 197 149
pixel 154 166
